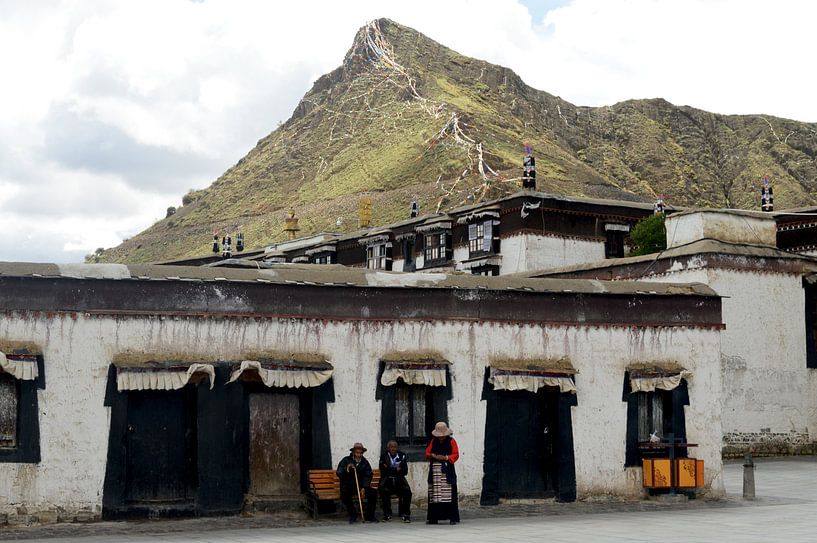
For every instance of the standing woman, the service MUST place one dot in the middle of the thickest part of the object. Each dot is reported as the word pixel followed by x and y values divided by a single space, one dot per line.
pixel 442 453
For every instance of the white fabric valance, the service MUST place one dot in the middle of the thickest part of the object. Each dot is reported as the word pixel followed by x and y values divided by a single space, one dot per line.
pixel 23 368
pixel 160 379
pixel 493 212
pixel 488 260
pixel 650 382
pixel 530 381
pixel 284 376
pixel 433 227
pixel 433 376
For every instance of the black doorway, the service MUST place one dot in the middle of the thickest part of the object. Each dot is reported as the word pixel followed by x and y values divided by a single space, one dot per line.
pixel 525 448
pixel 161 447
pixel 528 445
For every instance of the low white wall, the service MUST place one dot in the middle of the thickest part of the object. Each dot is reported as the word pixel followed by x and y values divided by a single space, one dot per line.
pixel 771 400
pixel 77 351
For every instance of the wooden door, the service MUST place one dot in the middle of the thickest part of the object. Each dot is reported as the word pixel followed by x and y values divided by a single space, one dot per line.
pixel 161 441
pixel 274 445
pixel 525 455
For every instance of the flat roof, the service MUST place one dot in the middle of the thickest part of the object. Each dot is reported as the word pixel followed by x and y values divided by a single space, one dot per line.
pixel 336 275
pixel 698 247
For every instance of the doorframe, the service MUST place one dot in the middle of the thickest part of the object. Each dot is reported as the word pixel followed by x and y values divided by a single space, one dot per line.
pixel 564 472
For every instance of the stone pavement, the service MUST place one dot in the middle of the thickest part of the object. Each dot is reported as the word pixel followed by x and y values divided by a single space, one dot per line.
pixel 784 511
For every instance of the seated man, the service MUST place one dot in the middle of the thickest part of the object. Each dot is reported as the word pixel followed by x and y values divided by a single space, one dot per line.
pixel 393 472
pixel 355 474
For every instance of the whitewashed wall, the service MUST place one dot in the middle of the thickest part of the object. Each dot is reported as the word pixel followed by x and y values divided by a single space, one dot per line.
pixel 533 252
pixel 77 350
pixel 770 396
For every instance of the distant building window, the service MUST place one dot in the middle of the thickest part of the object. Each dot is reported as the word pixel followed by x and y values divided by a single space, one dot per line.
pixel 377 257
pixel 323 258
pixel 614 240
pixel 435 247
pixel 9 402
pixel 488 270
pixel 480 237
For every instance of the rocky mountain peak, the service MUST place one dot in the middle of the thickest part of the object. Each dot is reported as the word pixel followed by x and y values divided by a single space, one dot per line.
pixel 404 115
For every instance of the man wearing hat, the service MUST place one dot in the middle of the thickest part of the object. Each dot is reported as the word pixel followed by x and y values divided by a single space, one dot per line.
pixel 355 474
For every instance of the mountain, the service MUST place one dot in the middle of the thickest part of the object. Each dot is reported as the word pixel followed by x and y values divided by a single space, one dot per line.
pixel 405 115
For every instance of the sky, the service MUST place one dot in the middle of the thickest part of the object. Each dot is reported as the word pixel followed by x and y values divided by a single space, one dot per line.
pixel 111 110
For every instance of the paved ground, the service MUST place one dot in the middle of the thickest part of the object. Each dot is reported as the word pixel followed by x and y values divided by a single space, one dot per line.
pixel 786 510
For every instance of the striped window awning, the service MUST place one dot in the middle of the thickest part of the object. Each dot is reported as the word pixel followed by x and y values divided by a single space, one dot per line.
pixel 661 376
pixel 299 370
pixel 23 367
pixel 166 378
pixel 160 371
pixel 419 368
pixel 532 374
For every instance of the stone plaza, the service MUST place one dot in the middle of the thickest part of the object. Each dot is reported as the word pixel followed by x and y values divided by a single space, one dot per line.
pixel 783 511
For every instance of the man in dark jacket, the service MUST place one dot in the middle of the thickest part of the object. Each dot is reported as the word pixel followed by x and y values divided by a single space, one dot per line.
pixel 393 472
pixel 350 485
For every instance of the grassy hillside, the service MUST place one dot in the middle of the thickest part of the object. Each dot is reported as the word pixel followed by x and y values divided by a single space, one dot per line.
pixel 404 115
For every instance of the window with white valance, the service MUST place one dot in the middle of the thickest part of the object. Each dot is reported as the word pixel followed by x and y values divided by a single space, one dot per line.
pixel 656 394
pixel 21 375
pixel 414 389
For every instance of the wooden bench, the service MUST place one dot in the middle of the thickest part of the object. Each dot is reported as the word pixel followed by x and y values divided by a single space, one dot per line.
pixel 324 485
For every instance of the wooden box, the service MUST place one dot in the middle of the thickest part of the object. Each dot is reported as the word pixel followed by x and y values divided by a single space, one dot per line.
pixel 656 472
pixel 689 473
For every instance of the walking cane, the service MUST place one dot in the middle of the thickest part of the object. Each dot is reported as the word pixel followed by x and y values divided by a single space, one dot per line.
pixel 359 499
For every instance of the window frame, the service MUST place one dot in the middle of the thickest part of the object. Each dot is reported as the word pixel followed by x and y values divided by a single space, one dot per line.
pixel 436 253
pixel 674 421
pixel 325 257
pixel 379 256
pixel 436 405
pixel 27 446
pixel 479 234
pixel 412 440
pixel 14 438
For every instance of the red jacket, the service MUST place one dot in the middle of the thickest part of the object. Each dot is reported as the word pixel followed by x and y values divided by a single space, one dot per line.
pixel 455 451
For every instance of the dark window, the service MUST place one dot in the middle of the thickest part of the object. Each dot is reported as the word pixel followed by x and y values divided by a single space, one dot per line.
pixel 652 407
pixel 377 257
pixel 660 412
pixel 19 414
pixel 810 292
pixel 489 270
pixel 614 245
pixel 323 258
pixel 413 414
pixel 409 412
pixel 435 247
pixel 9 407
pixel 408 255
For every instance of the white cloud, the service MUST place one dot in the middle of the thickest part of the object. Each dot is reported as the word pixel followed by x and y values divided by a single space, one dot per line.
pixel 131 103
